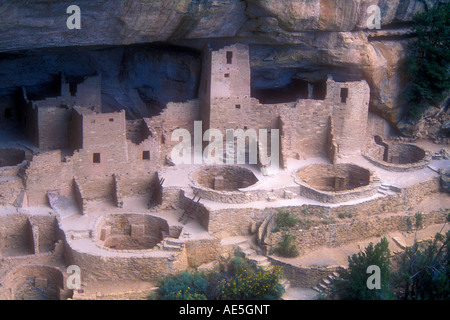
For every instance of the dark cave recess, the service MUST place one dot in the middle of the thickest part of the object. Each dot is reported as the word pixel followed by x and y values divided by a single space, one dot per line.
pixel 143 78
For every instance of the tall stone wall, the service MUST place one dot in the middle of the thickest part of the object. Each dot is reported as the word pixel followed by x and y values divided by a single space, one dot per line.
pixel 174 116
pixel 305 123
pixel 53 127
pixel 40 177
pixel 305 129
pixel 350 114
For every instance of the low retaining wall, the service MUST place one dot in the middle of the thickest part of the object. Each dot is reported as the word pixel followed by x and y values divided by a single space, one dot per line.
pixel 303 277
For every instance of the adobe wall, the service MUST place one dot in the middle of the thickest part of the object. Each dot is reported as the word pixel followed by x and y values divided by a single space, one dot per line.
pixel 349 117
pixel 52 257
pixel 237 221
pixel 105 152
pixel 154 228
pixel 230 72
pixel 333 235
pixel 28 233
pixel 11 189
pixel 40 177
pixel 202 251
pixel 47 232
pixel 52 123
pixel 200 212
pixel 377 126
pixel 47 121
pixel 53 277
pixel 304 129
pixel 303 277
pixel 15 234
pixel 104 134
pixel 12 163
pixel 174 116
pixel 96 187
pixel 305 124
pixel 127 266
pixel 234 222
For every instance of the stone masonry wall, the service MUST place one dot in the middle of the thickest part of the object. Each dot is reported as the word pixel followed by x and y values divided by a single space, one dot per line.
pixel 237 221
pixel 53 128
pixel 333 235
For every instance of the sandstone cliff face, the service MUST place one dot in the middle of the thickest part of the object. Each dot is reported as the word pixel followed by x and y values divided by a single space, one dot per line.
pixel 290 39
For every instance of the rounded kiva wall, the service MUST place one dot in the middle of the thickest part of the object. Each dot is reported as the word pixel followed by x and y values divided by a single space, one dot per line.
pixel 224 178
pixel 398 156
pixel 130 231
pixel 335 182
pixel 402 153
pixel 224 183
pixel 33 282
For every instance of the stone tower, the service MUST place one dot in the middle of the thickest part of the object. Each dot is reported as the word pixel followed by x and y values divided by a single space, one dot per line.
pixel 225 87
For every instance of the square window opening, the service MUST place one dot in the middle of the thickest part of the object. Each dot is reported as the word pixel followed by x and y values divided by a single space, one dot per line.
pixel 96 158
pixel 146 155
pixel 238 106
pixel 226 75
pixel 111 120
pixel 229 57
pixel 344 95
pixel 8 113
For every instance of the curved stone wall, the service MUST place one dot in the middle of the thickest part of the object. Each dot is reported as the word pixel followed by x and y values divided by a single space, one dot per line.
pixel 400 157
pixel 130 231
pixel 336 183
pixel 224 178
pixel 33 282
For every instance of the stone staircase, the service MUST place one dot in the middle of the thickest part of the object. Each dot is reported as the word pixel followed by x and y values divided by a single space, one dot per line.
pixel 387 189
pixel 245 250
pixel 250 254
pixel 324 286
pixel 241 246
pixel 171 244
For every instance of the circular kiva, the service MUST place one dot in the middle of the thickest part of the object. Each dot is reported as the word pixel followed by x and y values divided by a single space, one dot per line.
pixel 224 178
pixel 130 231
pixel 336 178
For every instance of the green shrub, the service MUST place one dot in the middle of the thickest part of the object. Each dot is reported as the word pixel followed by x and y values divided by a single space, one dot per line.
pixel 184 286
pixel 286 248
pixel 306 223
pixel 352 284
pixel 343 215
pixel 239 279
pixel 428 61
pixel 286 220
pixel 248 282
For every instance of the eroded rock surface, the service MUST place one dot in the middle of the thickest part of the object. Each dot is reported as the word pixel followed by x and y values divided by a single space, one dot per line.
pixel 289 40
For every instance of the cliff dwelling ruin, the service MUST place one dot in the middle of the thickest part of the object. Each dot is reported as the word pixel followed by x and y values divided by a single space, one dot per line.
pixel 80 185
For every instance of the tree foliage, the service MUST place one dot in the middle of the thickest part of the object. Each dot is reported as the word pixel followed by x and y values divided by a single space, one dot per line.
pixel 239 280
pixel 428 62
pixel 353 281
pixel 424 271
